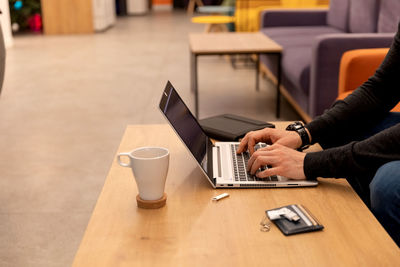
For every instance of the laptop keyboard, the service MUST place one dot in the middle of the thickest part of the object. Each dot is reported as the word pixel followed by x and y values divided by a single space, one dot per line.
pixel 240 164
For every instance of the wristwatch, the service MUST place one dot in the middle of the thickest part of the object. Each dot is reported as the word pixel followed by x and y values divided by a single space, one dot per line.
pixel 301 130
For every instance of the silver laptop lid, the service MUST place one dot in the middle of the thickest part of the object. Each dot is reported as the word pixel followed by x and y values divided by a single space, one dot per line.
pixel 187 128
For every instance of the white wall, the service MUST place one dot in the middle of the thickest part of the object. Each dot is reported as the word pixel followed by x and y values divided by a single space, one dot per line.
pixel 6 23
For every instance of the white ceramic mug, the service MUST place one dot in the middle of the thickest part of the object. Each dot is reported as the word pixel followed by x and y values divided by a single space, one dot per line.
pixel 150 167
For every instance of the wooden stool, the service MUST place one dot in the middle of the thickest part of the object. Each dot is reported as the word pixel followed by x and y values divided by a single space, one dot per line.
pixel 191 5
pixel 214 23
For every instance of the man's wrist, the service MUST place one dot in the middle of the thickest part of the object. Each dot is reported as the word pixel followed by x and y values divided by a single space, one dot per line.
pixel 298 139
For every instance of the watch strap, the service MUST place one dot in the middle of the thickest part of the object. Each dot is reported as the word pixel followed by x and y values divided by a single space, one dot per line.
pixel 301 130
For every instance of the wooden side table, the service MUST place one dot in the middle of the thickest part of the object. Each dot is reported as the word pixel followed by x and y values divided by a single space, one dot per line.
pixel 202 44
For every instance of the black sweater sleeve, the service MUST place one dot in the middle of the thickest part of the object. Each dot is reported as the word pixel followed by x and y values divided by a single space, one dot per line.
pixel 359 111
pixel 356 158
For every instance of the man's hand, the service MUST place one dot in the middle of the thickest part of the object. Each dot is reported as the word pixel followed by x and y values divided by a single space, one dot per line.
pixel 270 136
pixel 282 160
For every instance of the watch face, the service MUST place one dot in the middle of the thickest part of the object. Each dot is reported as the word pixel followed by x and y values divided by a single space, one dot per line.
pixel 294 126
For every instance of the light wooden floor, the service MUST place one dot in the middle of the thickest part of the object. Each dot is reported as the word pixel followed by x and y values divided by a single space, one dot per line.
pixel 65 104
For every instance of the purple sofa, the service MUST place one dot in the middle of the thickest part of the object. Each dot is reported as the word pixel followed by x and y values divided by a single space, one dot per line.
pixel 313 42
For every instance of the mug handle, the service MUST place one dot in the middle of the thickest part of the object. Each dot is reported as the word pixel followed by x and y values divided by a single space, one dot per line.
pixel 122 163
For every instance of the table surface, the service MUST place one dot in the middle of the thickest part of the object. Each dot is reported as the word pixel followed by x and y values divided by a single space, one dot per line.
pixel 192 230
pixel 231 43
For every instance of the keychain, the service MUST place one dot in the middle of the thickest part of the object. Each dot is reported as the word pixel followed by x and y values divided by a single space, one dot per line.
pixel 265 224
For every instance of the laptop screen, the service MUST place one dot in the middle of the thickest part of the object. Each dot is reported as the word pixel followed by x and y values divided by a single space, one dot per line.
pixel 184 123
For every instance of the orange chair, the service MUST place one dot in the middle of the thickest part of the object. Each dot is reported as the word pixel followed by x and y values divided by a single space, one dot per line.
pixel 356 66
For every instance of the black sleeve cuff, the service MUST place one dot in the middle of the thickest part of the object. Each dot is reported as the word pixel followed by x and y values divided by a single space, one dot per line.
pixel 329 163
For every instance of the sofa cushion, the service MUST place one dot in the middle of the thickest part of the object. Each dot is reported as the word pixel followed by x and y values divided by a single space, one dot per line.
pixel 363 15
pixel 296 63
pixel 338 14
pixel 304 31
pixel 295 67
pixel 297 36
pixel 300 97
pixel 389 16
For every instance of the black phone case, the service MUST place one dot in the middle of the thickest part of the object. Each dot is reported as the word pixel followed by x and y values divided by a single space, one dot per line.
pixel 289 227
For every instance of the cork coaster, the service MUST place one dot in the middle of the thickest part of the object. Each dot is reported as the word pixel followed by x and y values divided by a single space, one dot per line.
pixel 151 204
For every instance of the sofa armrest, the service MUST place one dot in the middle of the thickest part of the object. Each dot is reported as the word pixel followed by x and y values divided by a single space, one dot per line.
pixel 293 17
pixel 327 50
pixel 357 65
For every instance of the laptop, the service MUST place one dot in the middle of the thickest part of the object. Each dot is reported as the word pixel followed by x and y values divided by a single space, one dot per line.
pixel 219 161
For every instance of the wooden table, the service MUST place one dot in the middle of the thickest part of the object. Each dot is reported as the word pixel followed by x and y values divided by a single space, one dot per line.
pixel 202 44
pixel 192 230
